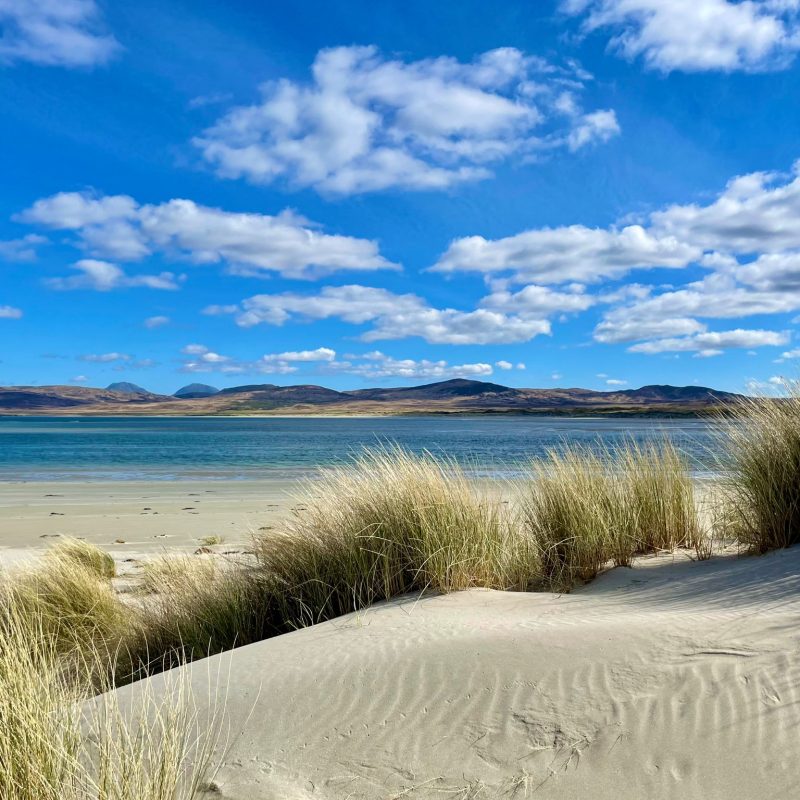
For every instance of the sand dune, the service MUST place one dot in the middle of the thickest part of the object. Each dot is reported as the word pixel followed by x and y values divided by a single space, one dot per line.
pixel 670 680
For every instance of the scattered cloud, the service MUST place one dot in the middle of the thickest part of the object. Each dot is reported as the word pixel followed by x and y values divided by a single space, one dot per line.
pixel 10 312
pixel 23 249
pixel 156 322
pixel 117 227
pixel 391 316
pixel 377 365
pixel 615 382
pixel 104 358
pixel 504 365
pixel 696 35
pixel 79 379
pixel 365 122
pixel 713 343
pixel 67 33
pixel 570 253
pixel 103 276
pixel 320 354
pixel 205 360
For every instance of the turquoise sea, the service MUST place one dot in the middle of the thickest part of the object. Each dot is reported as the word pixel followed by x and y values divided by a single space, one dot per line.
pixel 124 448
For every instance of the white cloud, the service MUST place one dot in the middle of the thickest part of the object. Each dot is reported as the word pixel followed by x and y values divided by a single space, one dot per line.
pixel 755 213
pixel 539 300
pixel 504 365
pixel 79 379
pixel 105 358
pixel 615 382
pixel 156 322
pixel 194 349
pixel 556 376
pixel 619 327
pixel 10 312
pixel 365 123
pixel 713 342
pixel 599 126
pixel 320 354
pixel 520 365
pixel 571 253
pixel 253 244
pixel 378 365
pixel 205 360
pixel 103 276
pixel 696 35
pixel 63 33
pixel 391 316
pixel 23 249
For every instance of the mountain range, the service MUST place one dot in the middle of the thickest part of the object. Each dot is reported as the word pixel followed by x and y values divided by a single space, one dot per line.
pixel 457 396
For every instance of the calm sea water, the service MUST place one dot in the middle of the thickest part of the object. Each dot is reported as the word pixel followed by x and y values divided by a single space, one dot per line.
pixel 72 448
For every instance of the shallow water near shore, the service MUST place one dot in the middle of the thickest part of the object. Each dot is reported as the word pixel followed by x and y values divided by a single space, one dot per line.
pixel 208 448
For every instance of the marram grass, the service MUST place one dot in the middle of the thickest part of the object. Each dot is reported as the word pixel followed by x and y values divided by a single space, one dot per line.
pixel 760 441
pixel 584 509
pixel 58 744
pixel 387 524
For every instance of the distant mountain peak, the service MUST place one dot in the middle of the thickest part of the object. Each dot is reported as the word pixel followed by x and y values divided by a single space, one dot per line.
pixel 193 390
pixel 126 387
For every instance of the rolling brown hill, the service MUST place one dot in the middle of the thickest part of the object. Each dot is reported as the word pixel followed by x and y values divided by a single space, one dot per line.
pixel 458 396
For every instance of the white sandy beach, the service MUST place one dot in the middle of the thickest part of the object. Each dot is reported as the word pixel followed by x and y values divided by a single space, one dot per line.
pixel 674 679
pixel 140 516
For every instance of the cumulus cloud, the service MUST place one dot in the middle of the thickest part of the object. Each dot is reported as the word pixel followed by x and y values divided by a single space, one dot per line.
pixel 10 312
pixel 615 382
pixel 103 276
pixel 23 249
pixel 504 365
pixel 105 358
pixel 365 122
pixel 696 35
pixel 713 343
pixel 205 360
pixel 320 354
pixel 570 253
pixel 61 33
pixel 392 316
pixel 746 239
pixel 254 244
pixel 156 322
pixel 378 365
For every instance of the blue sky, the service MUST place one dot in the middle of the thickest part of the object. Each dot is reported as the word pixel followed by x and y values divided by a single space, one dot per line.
pixel 593 193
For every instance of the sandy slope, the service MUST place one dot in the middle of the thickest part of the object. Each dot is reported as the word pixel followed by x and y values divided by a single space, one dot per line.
pixel 671 680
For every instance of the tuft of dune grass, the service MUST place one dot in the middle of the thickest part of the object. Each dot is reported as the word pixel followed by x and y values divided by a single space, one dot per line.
pixel 760 440
pixel 584 509
pixel 84 554
pixel 387 524
pixel 53 746
pixel 655 479
pixel 197 607
pixel 73 605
